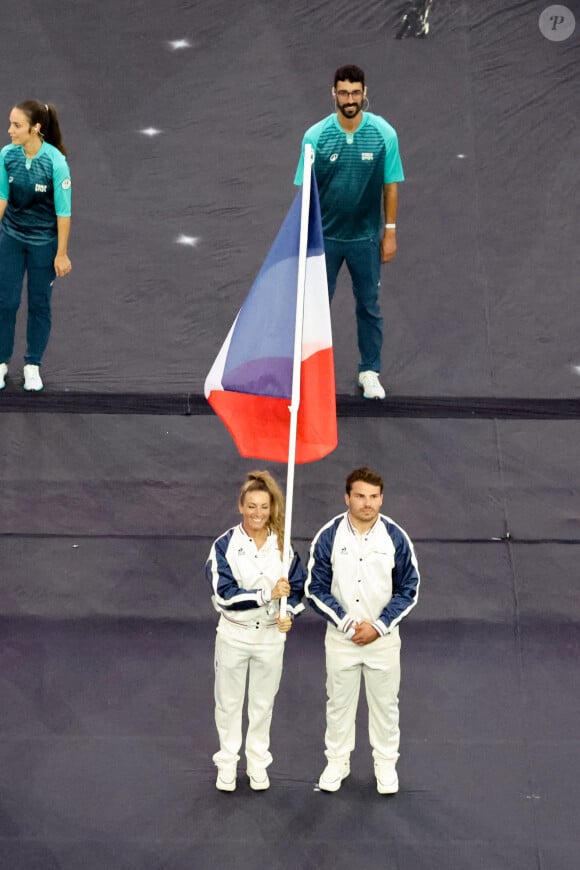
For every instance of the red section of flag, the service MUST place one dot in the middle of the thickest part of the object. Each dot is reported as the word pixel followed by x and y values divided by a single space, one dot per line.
pixel 260 425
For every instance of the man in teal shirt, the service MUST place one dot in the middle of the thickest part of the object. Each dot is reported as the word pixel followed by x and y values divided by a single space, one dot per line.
pixel 357 167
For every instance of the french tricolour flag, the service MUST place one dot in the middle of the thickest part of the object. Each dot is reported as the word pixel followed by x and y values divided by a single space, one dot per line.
pixel 250 385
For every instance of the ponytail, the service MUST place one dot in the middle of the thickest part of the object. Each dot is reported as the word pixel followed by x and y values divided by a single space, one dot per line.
pixel 45 116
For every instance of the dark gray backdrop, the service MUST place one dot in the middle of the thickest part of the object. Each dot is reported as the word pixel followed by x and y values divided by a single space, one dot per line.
pixel 106 729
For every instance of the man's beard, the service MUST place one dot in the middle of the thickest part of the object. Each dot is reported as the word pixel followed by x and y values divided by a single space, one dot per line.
pixel 349 115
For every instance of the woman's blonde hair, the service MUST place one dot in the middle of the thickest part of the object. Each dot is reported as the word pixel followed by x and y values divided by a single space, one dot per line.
pixel 262 481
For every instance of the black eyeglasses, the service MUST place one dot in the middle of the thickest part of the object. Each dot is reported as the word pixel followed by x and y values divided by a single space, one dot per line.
pixel 356 95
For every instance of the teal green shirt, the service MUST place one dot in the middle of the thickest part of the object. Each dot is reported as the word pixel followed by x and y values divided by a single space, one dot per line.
pixel 351 169
pixel 37 190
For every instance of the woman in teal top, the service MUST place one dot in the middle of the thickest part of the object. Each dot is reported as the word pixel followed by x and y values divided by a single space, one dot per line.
pixel 35 210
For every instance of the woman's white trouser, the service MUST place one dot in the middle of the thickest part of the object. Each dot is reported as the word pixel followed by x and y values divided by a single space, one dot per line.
pixel 234 661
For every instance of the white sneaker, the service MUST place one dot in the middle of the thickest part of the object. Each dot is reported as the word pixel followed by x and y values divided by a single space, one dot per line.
pixel 3 373
pixel 32 379
pixel 259 779
pixel 333 775
pixel 387 779
pixel 226 778
pixel 371 386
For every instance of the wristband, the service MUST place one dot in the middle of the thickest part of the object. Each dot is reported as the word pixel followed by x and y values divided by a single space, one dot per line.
pixel 390 226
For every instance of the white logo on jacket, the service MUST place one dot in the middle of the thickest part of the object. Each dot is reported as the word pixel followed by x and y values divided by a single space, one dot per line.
pixel 367 155
pixel 40 188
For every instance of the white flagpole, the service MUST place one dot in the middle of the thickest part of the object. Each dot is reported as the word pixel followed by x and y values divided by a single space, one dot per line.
pixel 297 362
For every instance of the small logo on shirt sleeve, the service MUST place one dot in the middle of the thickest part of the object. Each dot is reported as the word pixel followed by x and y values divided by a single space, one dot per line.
pixel 66 184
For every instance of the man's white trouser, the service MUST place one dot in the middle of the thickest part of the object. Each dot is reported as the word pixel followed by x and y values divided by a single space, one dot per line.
pixel 235 658
pixel 380 663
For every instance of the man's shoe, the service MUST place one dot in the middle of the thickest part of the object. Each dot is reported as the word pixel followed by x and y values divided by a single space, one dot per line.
pixel 387 779
pixel 371 386
pixel 259 779
pixel 3 373
pixel 226 778
pixel 333 775
pixel 32 379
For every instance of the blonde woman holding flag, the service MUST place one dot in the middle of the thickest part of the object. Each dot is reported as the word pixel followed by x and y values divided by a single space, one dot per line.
pixel 245 570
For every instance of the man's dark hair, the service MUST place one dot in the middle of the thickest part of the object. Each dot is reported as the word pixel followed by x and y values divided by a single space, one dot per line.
pixel 349 74
pixel 364 474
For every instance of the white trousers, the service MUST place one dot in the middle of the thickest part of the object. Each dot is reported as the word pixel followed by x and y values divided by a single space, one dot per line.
pixel 380 663
pixel 260 665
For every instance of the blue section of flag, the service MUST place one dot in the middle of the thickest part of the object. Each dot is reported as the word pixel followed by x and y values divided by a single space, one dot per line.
pixel 259 359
